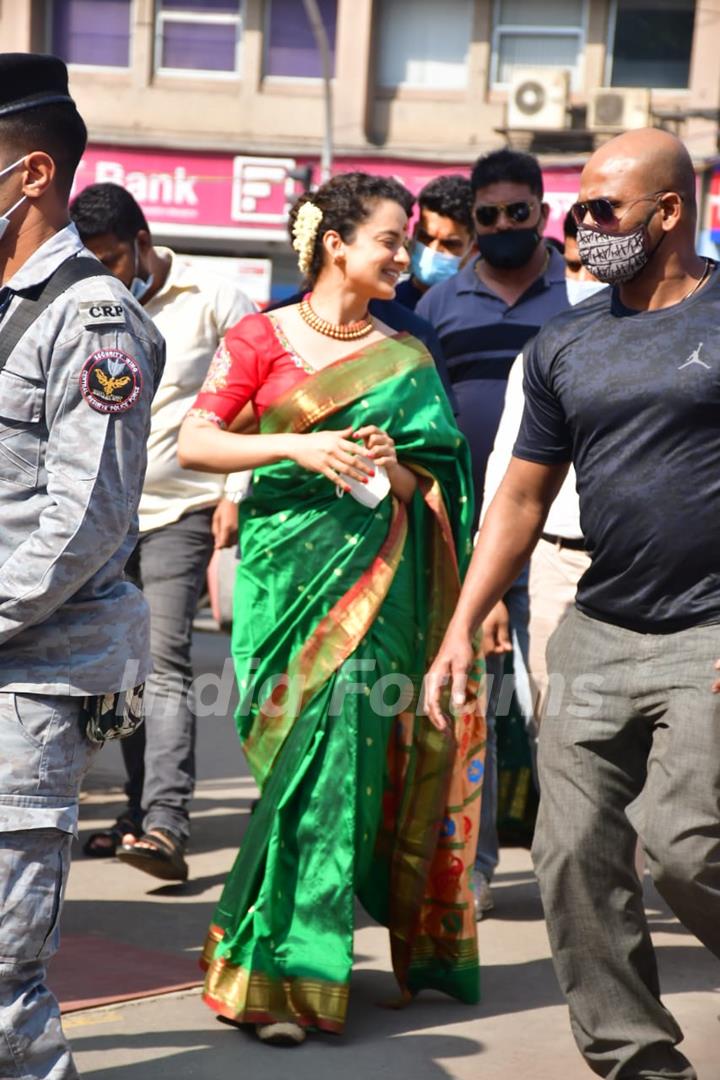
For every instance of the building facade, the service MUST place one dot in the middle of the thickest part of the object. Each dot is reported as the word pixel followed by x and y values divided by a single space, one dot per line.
pixel 203 108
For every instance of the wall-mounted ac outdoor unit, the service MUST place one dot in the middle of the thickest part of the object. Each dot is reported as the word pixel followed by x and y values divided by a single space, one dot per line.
pixel 618 108
pixel 538 99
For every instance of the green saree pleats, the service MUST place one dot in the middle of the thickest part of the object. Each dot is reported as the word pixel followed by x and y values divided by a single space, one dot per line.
pixel 339 610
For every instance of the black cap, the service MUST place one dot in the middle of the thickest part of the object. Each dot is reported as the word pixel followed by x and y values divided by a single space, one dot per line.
pixel 31 79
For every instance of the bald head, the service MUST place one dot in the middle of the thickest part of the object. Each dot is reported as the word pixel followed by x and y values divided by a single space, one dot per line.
pixel 637 163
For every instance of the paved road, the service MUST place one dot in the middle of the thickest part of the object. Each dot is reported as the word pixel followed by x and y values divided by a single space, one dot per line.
pixel 519 1031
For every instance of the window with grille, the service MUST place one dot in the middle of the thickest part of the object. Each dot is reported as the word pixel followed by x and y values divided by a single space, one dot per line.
pixel 529 34
pixel 198 35
pixel 424 43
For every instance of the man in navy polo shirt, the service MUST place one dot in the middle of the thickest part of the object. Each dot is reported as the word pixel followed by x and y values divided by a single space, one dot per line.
pixel 484 315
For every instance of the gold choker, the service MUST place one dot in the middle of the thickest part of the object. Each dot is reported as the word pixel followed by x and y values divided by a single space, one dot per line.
pixel 341 331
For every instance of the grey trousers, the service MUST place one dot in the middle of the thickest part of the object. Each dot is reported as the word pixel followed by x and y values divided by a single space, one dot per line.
pixel 43 757
pixel 170 565
pixel 629 745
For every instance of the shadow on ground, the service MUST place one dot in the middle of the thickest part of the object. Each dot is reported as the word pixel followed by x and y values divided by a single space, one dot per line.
pixel 319 1059
pixel 383 1043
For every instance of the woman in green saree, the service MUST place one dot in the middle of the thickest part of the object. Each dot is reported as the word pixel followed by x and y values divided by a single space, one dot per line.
pixel 341 604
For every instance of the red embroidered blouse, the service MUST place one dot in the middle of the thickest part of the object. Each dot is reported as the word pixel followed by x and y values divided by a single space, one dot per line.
pixel 254 362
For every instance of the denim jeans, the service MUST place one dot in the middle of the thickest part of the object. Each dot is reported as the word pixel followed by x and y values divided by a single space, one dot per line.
pixel 516 600
pixel 169 565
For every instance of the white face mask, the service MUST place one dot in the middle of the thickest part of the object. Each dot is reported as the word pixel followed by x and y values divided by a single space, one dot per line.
pixel 580 290
pixel 139 286
pixel 5 218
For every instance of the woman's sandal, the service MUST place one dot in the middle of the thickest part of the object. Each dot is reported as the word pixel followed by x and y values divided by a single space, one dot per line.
pixel 103 843
pixel 158 852
pixel 280 1033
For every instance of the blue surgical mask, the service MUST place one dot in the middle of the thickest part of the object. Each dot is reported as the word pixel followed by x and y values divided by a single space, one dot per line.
pixel 580 290
pixel 140 286
pixel 5 218
pixel 431 267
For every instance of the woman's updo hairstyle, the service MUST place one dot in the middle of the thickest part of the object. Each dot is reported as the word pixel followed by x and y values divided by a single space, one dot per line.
pixel 345 201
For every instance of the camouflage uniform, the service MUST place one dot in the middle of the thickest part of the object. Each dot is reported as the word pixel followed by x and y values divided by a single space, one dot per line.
pixel 75 400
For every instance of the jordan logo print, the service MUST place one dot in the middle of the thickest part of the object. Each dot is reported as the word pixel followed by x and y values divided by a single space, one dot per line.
pixel 694 358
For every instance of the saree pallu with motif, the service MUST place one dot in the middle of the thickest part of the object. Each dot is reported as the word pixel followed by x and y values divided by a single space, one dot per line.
pixel 339 610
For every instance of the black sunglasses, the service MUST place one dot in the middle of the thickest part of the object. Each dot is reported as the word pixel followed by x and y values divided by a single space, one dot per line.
pixel 602 211
pixel 487 214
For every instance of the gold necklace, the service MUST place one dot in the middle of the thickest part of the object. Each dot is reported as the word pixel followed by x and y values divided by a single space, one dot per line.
pixel 341 331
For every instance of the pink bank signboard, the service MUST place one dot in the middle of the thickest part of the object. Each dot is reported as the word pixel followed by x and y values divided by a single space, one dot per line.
pixel 715 207
pixel 245 197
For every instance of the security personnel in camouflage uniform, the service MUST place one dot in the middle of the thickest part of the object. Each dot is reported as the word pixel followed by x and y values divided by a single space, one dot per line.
pixel 79 364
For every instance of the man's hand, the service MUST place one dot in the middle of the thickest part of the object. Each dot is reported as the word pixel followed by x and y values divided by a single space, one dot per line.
pixel 496 631
pixel 452 665
pixel 716 684
pixel 225 524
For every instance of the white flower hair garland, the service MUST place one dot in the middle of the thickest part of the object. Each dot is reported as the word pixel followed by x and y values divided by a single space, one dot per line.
pixel 304 232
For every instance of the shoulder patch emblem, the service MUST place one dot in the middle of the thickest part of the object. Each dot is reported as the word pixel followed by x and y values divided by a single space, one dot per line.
pixel 111 381
pixel 101 312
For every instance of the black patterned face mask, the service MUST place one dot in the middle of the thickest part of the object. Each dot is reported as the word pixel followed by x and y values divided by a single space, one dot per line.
pixel 612 257
pixel 615 257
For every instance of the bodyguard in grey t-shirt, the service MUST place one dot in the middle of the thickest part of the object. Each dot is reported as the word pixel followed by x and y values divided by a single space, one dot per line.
pixel 76 382
pixel 627 387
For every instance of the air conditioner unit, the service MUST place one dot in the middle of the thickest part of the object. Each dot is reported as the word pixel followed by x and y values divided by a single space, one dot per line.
pixel 538 98
pixel 618 108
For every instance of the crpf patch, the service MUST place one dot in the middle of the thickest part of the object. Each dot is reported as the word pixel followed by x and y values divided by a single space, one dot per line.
pixel 101 313
pixel 110 381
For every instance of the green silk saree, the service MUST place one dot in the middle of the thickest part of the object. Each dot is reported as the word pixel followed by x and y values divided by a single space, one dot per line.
pixel 339 611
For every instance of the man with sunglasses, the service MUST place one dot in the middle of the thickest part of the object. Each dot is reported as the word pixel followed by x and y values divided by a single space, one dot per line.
pixel 627 388
pixel 486 313
pixel 484 316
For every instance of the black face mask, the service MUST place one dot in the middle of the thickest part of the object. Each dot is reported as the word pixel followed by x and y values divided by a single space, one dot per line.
pixel 510 249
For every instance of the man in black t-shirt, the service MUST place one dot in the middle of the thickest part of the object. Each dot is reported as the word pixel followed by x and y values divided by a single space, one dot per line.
pixel 626 386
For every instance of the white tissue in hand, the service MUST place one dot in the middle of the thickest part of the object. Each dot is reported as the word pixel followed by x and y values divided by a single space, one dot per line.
pixel 375 490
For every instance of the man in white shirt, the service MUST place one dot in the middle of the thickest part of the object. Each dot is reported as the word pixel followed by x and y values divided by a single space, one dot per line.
pixel 559 560
pixel 183 515
pixel 557 563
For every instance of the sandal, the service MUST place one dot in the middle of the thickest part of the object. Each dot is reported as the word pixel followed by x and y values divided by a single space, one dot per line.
pixel 158 852
pixel 280 1033
pixel 103 843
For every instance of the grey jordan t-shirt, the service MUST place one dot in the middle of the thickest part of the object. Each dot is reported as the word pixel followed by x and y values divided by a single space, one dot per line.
pixel 633 399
